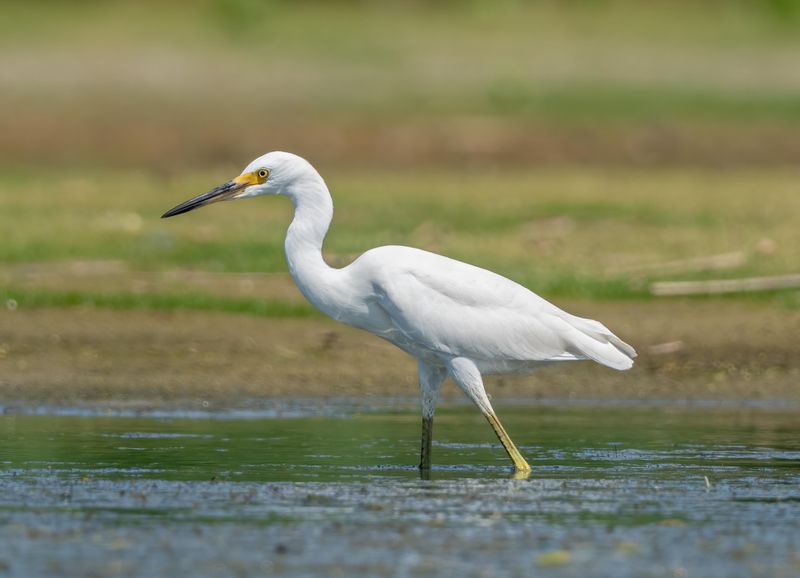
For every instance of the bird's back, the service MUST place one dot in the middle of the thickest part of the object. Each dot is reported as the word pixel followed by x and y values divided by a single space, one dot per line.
pixel 443 307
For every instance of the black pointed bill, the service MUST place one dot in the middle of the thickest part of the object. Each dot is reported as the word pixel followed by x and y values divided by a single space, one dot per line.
pixel 223 192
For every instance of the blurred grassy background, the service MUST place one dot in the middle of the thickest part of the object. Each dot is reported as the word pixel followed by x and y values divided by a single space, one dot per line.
pixel 169 86
pixel 573 146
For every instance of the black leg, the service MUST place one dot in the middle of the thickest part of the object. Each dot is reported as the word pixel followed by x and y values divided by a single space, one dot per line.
pixel 427 439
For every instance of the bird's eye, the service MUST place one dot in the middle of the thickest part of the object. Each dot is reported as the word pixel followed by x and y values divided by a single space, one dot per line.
pixel 263 174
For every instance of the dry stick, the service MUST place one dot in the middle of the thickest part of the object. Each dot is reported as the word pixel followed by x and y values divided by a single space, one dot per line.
pixel 719 286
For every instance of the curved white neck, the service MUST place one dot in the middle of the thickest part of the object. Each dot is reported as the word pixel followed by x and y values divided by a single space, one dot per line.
pixel 312 217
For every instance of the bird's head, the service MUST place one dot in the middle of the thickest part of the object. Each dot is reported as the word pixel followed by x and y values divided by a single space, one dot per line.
pixel 271 174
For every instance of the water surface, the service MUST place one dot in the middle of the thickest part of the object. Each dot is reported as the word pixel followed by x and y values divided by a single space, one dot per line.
pixel 616 490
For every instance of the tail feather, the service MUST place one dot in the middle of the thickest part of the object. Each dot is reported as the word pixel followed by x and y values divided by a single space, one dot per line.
pixel 593 340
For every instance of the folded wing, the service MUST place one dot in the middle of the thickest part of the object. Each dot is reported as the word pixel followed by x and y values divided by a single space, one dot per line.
pixel 456 309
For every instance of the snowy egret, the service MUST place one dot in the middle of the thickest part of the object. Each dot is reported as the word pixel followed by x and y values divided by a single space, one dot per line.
pixel 456 319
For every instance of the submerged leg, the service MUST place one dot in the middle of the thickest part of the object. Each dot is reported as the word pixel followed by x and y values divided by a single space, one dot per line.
pixel 467 376
pixel 425 451
pixel 430 379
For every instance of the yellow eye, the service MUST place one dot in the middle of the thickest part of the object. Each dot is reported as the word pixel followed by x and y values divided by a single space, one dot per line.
pixel 263 174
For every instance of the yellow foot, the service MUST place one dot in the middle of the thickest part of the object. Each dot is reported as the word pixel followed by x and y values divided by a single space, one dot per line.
pixel 521 475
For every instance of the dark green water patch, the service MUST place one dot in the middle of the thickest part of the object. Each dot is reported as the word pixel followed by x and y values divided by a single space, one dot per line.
pixel 662 441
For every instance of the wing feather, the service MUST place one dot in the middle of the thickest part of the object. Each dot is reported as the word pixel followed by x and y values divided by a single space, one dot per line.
pixel 453 308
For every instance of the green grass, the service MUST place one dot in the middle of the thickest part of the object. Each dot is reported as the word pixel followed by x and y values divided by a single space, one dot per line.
pixel 26 298
pixel 602 101
pixel 563 233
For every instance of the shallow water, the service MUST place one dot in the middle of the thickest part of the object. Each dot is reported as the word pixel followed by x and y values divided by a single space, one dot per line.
pixel 616 490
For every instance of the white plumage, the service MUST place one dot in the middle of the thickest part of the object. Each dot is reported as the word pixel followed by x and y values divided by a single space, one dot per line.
pixel 456 319
pixel 438 307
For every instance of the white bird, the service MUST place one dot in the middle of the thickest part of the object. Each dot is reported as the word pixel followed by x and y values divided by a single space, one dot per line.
pixel 456 319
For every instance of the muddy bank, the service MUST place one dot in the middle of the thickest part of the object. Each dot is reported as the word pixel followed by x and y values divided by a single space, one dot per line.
pixel 688 350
